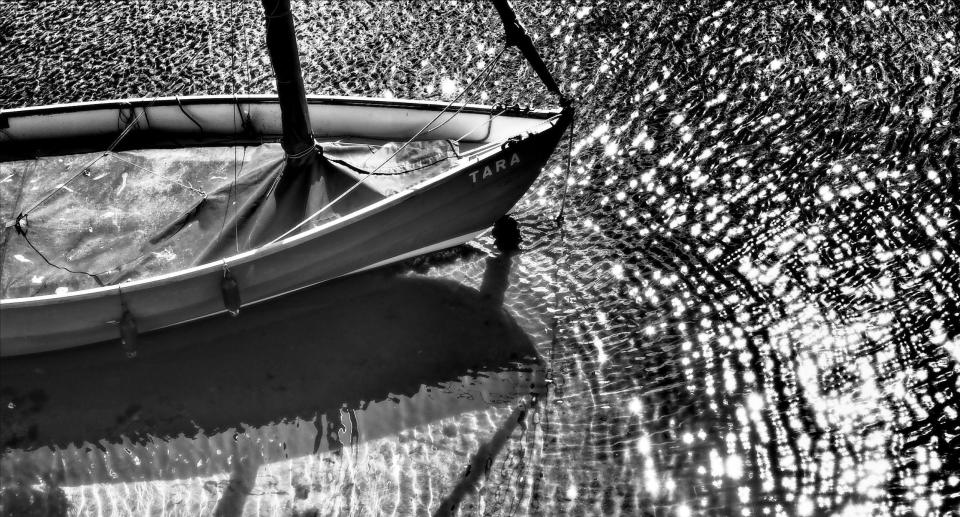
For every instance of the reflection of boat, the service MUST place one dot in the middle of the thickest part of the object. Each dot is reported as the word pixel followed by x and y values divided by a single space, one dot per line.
pixel 120 242
pixel 356 341
pixel 220 404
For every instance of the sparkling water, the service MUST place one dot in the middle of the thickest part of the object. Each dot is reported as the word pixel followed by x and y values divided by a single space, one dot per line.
pixel 751 306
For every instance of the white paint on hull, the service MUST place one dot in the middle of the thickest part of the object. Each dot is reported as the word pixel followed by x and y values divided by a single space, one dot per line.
pixel 449 243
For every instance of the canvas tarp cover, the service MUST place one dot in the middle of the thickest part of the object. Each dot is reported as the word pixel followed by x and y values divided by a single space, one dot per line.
pixel 87 220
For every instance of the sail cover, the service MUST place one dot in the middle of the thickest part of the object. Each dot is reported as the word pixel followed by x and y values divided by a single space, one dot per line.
pixel 85 220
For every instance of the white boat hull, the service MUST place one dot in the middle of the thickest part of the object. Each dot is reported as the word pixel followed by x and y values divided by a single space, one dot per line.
pixel 443 211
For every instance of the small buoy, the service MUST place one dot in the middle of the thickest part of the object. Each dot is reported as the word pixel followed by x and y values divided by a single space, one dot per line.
pixel 506 234
pixel 230 291
pixel 128 332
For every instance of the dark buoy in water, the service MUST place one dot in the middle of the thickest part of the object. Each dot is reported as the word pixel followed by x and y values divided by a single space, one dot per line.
pixel 506 234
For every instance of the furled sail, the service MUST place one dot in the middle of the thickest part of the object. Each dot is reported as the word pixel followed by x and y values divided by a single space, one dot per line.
pixel 302 186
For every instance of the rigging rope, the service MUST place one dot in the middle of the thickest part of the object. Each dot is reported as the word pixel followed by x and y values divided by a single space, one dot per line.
pixel 233 186
pixel 559 220
pixel 399 173
pixel 18 222
pixel 84 169
pixel 184 111
pixel 356 185
pixel 488 122
pixel 126 131
pixel 94 276
pixel 155 173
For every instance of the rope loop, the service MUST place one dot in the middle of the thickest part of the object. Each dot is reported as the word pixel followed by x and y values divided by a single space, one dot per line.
pixel 303 153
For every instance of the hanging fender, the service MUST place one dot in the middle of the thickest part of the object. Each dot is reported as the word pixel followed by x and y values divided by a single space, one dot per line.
pixel 129 335
pixel 230 291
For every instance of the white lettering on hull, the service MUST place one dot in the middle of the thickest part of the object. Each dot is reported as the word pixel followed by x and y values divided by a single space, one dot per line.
pixel 498 167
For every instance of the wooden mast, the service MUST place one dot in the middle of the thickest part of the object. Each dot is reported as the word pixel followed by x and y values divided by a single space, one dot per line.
pixel 282 46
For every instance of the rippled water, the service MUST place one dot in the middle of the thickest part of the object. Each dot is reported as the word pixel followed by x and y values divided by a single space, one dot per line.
pixel 753 309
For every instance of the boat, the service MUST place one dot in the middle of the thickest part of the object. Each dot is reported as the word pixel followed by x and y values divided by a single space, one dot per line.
pixel 127 216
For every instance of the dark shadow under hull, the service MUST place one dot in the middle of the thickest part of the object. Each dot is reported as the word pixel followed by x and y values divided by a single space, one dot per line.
pixel 345 344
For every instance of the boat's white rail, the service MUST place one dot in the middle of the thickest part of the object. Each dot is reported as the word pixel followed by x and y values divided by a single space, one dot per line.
pixel 225 116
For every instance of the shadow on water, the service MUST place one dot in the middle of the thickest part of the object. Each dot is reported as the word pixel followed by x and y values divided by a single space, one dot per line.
pixel 398 349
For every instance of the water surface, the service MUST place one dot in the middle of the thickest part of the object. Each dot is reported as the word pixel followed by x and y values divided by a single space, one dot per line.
pixel 752 309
